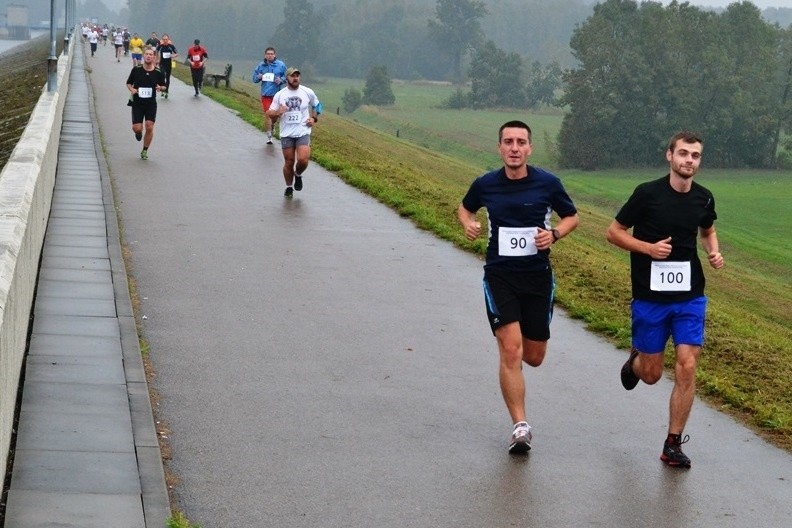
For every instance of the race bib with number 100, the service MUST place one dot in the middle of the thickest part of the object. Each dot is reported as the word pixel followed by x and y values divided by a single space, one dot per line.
pixel 670 276
pixel 516 241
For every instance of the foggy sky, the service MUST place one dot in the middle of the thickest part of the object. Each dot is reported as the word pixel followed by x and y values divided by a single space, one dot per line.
pixel 761 4
pixel 116 5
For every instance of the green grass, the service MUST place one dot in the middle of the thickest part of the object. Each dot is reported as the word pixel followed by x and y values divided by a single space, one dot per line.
pixel 178 520
pixel 746 368
pixel 418 118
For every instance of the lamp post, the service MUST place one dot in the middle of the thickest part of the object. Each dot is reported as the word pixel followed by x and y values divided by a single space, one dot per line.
pixel 52 62
pixel 66 28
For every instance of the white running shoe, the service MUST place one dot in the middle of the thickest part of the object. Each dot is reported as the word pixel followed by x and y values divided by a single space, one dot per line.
pixel 520 439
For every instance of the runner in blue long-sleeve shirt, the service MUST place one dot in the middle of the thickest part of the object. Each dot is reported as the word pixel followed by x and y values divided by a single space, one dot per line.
pixel 271 73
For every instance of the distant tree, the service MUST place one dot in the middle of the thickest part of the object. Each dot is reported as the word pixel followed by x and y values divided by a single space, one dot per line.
pixel 539 29
pixel 352 99
pixel 457 29
pixel 392 32
pixel 715 73
pixel 297 38
pixel 543 81
pixel 347 37
pixel 383 37
pixel 785 80
pixel 378 87
pixel 601 92
pixel 495 78
pixel 752 47
pixel 458 100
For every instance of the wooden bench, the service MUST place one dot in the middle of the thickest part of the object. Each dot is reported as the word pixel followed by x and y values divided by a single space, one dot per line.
pixel 215 78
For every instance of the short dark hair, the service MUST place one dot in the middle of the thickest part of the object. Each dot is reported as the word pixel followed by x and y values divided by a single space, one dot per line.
pixel 687 136
pixel 269 48
pixel 514 124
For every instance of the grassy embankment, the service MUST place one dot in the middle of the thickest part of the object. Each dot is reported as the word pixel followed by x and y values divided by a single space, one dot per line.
pixel 23 74
pixel 747 365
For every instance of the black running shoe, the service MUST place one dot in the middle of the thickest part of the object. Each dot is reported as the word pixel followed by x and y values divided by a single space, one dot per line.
pixel 298 183
pixel 289 192
pixel 138 135
pixel 628 378
pixel 672 452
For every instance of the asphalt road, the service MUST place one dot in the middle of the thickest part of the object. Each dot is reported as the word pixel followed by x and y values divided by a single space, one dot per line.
pixel 322 362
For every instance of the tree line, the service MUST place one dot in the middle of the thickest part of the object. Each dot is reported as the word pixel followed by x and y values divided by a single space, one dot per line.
pixel 646 71
pixel 345 38
pixel 636 73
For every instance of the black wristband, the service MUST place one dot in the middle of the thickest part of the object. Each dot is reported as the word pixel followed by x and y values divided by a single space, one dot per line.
pixel 556 235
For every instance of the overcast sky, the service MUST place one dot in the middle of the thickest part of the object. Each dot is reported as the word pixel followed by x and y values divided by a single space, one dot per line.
pixel 761 4
pixel 117 4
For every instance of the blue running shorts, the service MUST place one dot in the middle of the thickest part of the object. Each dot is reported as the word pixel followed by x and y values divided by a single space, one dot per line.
pixel 653 323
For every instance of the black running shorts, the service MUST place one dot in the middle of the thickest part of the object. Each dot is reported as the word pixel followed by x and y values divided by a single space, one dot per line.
pixel 525 297
pixel 147 112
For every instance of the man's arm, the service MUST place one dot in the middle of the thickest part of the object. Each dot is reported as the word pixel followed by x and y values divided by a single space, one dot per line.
pixel 471 226
pixel 545 238
pixel 709 239
pixel 274 109
pixel 618 235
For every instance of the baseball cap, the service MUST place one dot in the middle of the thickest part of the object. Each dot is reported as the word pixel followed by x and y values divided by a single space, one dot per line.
pixel 292 71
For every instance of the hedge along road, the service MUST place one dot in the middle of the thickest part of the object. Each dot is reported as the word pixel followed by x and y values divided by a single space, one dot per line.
pixel 322 362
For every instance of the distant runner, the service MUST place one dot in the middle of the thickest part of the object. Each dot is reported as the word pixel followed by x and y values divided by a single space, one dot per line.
pixel 143 83
pixel 136 47
pixel 197 56
pixel 299 109
pixel 271 73
pixel 167 53
pixel 118 43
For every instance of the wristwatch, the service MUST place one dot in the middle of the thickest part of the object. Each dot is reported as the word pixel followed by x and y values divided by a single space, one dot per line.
pixel 556 235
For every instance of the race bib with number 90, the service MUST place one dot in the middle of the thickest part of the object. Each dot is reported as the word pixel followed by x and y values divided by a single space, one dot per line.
pixel 516 241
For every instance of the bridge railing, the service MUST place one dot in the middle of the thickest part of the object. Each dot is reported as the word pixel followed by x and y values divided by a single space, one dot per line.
pixel 26 188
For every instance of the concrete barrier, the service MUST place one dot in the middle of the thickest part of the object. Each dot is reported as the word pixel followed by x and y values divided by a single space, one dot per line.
pixel 26 188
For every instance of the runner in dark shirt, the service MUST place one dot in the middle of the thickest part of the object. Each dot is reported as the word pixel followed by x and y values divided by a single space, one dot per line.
pixel 667 217
pixel 144 81
pixel 518 280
